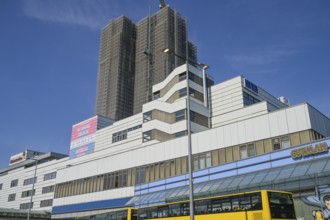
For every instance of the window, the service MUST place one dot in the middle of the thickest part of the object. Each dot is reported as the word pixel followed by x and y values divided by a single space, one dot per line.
pixel 180 115
pixel 285 141
pixel 249 99
pixel 50 176
pixel 156 95
pixel 251 86
pixel 202 161
pixel 182 77
pixel 30 181
pixel 180 134
pixel 147 116
pixel 11 197
pixel 25 205
pixel 14 183
pixel 122 135
pixel 182 92
pixel 247 151
pixel 28 193
pixel 147 136
pixel 281 142
pixel 195 94
pixel 0 186
pixel 46 203
pixel 140 175
pixel 48 189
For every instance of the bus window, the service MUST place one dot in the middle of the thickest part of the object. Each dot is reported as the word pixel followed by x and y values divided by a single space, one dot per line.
pixel 174 210
pixel 281 205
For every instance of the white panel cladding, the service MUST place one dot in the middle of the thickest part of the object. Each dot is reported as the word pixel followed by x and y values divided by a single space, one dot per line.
pixel 277 123
pixel 96 196
pixel 175 72
pixel 319 122
pixel 176 87
pixel 241 114
pixel 164 106
pixel 165 127
pixel 21 174
pixel 227 96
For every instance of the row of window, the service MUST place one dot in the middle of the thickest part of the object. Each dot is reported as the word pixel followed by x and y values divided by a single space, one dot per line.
pixel 31 180
pixel 226 204
pixel 122 135
pixel 178 166
pixel 28 193
pixel 249 99
pixel 43 203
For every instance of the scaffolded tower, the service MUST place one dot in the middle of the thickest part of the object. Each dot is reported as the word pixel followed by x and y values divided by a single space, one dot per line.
pixel 115 81
pixel 131 60
pixel 165 29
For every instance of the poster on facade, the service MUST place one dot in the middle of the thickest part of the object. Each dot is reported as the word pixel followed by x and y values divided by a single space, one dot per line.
pixel 83 138
pixel 314 207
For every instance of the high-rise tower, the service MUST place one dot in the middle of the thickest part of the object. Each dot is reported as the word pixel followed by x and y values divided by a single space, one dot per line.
pixel 132 60
pixel 114 95
pixel 165 29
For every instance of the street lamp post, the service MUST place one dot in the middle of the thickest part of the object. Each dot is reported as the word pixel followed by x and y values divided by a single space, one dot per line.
pixel 34 180
pixel 190 172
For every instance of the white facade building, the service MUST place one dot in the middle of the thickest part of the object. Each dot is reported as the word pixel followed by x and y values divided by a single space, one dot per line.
pixel 147 152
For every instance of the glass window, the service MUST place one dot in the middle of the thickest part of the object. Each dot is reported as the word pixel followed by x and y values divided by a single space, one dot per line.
pixel 182 76
pixel 147 116
pixel 28 193
pixel 251 150
pixel 11 197
pixel 285 141
pixel 281 205
pixel 50 176
pixel 180 134
pixel 30 181
pixel 208 159
pixel 156 95
pixel 182 92
pixel 276 144
pixel 147 136
pixel 48 189
pixel 46 203
pixel 25 205
pixel 14 183
pixel 243 152
pixel 0 186
pixel 180 115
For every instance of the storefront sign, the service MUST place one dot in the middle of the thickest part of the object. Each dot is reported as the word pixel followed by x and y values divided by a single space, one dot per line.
pixel 310 150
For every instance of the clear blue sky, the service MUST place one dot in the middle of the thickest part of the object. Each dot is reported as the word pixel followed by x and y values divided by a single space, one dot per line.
pixel 49 54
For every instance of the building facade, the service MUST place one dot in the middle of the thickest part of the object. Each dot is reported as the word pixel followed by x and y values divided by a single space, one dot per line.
pixel 243 139
pixel 131 60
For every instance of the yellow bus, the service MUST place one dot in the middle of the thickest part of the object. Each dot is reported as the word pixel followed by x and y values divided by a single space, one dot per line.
pixel 118 214
pixel 255 205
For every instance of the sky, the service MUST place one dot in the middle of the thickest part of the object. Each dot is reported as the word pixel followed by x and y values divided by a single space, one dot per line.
pixel 49 57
